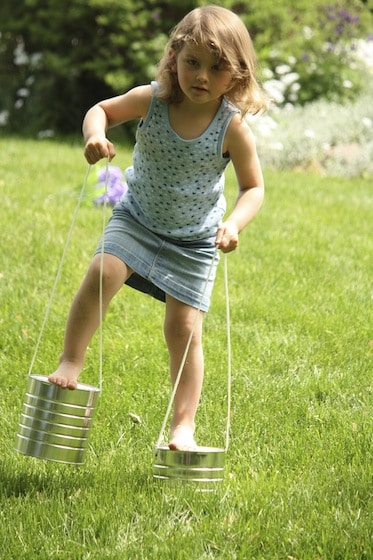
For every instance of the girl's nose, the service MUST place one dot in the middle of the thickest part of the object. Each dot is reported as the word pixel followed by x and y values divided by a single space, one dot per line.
pixel 202 75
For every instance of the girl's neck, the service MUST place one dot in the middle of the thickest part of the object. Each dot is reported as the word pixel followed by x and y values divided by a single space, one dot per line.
pixel 198 109
pixel 190 120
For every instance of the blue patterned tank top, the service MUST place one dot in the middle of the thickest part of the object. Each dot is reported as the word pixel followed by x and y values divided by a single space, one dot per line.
pixel 175 186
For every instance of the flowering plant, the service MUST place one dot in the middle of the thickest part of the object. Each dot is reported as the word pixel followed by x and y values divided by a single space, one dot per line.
pixel 111 185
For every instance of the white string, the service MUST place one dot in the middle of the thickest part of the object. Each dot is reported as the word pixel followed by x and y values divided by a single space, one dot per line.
pixel 58 275
pixel 177 381
pixel 229 354
pixel 101 277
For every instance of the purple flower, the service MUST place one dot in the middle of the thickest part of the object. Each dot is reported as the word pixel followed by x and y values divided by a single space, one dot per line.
pixel 114 173
pixel 111 184
pixel 345 22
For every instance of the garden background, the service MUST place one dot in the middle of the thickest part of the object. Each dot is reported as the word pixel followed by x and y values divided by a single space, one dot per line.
pixel 298 479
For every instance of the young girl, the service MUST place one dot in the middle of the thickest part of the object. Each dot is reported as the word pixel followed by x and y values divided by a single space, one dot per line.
pixel 162 236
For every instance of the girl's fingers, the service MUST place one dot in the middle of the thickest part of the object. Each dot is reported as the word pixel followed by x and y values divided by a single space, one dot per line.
pixel 226 238
pixel 97 149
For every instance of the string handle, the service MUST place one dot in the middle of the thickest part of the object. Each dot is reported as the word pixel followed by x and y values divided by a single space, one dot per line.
pixel 59 270
pixel 229 354
pixel 101 319
pixel 178 377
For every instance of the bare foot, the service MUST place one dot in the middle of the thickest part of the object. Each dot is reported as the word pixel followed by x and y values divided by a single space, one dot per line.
pixel 182 439
pixel 66 375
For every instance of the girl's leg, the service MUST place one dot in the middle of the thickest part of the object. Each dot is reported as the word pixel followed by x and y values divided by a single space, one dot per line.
pixel 179 322
pixel 84 316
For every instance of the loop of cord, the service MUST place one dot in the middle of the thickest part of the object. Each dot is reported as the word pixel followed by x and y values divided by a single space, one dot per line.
pixel 178 377
pixel 101 319
pixel 59 271
pixel 229 354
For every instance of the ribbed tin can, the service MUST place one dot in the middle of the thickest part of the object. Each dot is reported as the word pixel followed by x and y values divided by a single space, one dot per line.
pixel 203 466
pixel 55 423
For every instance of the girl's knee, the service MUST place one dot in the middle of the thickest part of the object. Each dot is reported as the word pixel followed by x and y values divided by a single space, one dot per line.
pixel 178 327
pixel 110 269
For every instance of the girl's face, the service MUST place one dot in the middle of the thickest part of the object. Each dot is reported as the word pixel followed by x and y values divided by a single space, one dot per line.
pixel 202 78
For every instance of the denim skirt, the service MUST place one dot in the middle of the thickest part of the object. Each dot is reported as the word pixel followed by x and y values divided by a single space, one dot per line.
pixel 183 269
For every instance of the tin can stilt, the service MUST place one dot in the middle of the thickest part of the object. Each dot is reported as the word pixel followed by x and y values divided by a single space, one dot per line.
pixel 55 423
pixel 203 466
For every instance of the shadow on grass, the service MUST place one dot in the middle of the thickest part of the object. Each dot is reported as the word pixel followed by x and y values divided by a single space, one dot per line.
pixel 22 475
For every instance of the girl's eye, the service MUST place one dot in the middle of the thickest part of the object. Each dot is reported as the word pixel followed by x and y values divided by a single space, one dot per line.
pixel 192 62
pixel 220 67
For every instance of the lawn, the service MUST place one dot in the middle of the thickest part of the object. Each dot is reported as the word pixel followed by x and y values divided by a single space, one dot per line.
pixel 298 475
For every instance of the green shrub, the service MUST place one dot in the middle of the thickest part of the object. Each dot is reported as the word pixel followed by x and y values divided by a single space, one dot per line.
pixel 318 58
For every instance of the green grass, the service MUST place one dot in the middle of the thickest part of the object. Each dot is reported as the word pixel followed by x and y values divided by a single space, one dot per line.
pixel 298 476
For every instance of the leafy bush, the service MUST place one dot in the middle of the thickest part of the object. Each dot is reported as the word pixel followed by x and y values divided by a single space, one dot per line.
pixel 321 62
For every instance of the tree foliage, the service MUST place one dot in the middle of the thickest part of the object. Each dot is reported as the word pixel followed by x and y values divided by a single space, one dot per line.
pixel 58 58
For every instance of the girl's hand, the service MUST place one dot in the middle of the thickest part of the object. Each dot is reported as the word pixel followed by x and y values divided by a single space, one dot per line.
pixel 98 147
pixel 227 237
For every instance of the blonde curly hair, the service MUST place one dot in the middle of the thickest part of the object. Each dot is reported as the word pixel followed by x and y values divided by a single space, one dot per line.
pixel 223 33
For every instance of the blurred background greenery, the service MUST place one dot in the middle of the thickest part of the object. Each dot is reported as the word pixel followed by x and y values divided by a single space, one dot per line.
pixel 58 58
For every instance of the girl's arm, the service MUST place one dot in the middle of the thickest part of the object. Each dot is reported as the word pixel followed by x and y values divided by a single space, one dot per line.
pixel 240 144
pixel 109 113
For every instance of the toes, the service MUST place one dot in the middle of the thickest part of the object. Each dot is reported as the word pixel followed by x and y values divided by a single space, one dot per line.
pixel 63 382
pixel 191 446
pixel 182 439
pixel 71 385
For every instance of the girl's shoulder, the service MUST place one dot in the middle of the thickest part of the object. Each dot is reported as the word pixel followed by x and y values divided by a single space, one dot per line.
pixel 239 126
pixel 239 134
pixel 142 96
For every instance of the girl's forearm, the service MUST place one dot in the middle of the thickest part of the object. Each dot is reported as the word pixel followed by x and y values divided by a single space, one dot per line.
pixel 97 145
pixel 247 205
pixel 95 123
